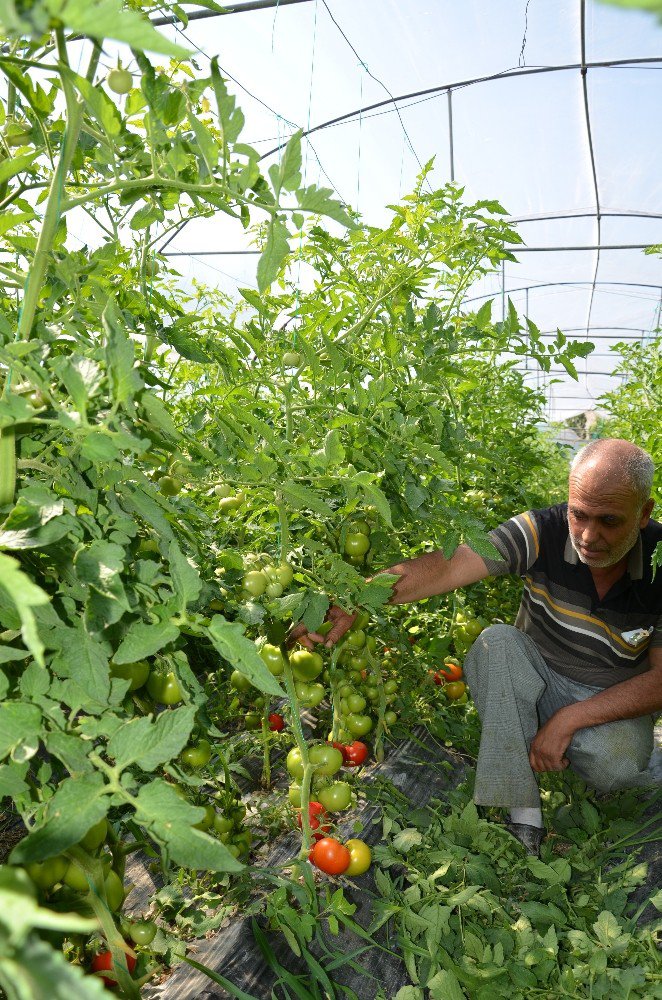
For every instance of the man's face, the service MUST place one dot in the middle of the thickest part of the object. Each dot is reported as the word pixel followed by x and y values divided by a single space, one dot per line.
pixel 604 517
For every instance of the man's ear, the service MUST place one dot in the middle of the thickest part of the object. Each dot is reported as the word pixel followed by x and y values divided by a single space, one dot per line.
pixel 646 512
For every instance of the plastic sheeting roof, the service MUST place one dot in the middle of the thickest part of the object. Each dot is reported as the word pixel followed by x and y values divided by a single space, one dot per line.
pixel 573 152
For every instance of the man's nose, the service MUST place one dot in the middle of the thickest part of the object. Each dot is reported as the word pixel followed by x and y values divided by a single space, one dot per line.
pixel 590 531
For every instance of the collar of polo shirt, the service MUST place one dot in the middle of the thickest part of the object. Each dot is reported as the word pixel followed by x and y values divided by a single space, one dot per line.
pixel 635 558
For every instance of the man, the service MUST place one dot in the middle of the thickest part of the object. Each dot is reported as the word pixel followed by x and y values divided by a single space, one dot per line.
pixel 577 681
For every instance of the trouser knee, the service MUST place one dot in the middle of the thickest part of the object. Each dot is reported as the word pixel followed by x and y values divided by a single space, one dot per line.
pixel 612 756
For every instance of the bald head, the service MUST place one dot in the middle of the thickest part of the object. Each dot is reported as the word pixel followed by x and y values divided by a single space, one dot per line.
pixel 615 462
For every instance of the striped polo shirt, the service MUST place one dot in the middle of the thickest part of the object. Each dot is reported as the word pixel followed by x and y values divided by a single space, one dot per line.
pixel 596 641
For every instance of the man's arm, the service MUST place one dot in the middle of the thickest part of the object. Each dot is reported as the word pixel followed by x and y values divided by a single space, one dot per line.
pixel 641 695
pixel 418 578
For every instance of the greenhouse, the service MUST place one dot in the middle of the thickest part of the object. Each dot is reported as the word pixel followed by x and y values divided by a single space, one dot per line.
pixel 330 457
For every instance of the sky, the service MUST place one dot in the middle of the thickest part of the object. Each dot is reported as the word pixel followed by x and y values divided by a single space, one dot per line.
pixel 522 140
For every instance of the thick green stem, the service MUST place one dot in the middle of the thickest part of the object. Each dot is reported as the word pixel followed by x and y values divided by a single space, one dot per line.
pixel 284 531
pixel 379 732
pixel 266 745
pixel 308 768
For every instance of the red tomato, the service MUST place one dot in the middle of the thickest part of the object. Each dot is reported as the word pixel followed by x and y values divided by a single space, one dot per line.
pixel 342 748
pixel 330 856
pixel 355 754
pixel 104 962
pixel 276 722
pixel 317 816
pixel 451 670
pixel 438 677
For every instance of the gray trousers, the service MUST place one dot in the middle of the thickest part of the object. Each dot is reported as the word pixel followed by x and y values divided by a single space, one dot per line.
pixel 515 693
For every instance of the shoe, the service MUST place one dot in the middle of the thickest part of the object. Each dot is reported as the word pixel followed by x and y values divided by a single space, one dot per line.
pixel 530 837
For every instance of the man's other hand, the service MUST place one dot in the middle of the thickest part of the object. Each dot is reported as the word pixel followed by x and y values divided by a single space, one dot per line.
pixel 549 745
pixel 340 620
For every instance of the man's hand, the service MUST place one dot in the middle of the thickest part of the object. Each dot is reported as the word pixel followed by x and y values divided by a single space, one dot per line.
pixel 550 743
pixel 341 622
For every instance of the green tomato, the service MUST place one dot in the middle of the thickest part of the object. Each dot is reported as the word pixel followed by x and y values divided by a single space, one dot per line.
pixel 240 682
pixel 294 763
pixel 358 661
pixel 226 504
pixel 356 543
pixel 164 688
pixel 310 695
pixel 142 932
pixel 207 820
pixel 114 890
pixel 95 836
pixel 76 878
pixel 274 590
pixel 327 759
pixel 355 639
pixel 291 359
pixel 306 665
pixel 169 486
pixel 46 874
pixel 346 690
pixel 370 643
pixel 252 721
pixel 371 693
pixel 222 491
pixel 390 687
pixel 390 718
pixel 335 797
pixel 359 725
pixel 284 574
pixel 119 81
pixel 196 755
pixel 473 628
pixel 361 620
pixel 137 673
pixel 255 582
pixel 356 704
pixel 356 560
pixel 294 795
pixel 359 527
pixel 223 824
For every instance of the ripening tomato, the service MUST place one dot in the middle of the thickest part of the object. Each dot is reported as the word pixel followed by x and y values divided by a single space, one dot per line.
pixel 306 665
pixel 103 962
pixel 330 856
pixel 451 669
pixel 455 690
pixel 355 754
pixel 276 722
pixel 360 857
pixel 317 817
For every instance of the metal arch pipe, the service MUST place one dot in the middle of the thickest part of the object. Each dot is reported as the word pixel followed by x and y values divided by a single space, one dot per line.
pixel 229 8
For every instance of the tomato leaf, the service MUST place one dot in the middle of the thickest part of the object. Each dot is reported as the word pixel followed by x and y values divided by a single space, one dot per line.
pixel 229 640
pixel 150 743
pixel 303 498
pixel 24 595
pixel 273 255
pixel 78 803
pixel 169 820
pixel 110 19
pixel 143 640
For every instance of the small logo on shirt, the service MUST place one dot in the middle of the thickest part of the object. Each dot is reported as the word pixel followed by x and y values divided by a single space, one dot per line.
pixel 637 635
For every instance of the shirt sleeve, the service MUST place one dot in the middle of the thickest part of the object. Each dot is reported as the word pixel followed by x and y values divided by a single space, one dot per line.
pixel 518 541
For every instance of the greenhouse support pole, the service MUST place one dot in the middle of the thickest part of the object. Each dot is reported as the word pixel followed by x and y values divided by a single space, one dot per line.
pixel 450 134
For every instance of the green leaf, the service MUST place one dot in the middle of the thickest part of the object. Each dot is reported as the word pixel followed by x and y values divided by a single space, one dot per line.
pixel 150 743
pixel 321 202
pixel 303 498
pixel 111 19
pixel 406 839
pixel 290 165
pixel 185 577
pixel 20 730
pixel 273 255
pixel 333 447
pixel 78 803
pixel 444 986
pixel 206 144
pixel 229 640
pixel 120 356
pixel 142 641
pixel 556 873
pixel 169 820
pixel 316 607
pixel 100 566
pixel 99 104
pixel 12 779
pixel 82 658
pixel 16 165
